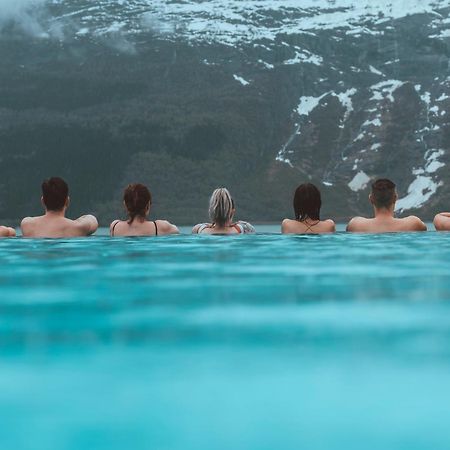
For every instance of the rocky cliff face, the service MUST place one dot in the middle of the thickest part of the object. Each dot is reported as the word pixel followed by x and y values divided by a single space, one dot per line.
pixel 255 95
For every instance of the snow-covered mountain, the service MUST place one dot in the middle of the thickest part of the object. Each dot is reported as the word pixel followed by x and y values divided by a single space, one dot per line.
pixel 352 89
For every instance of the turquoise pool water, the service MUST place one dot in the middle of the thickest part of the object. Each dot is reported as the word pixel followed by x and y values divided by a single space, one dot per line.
pixel 250 342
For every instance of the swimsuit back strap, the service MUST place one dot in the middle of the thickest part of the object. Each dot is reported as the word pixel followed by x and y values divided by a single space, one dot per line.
pixel 113 227
pixel 156 228
pixel 238 227
pixel 202 226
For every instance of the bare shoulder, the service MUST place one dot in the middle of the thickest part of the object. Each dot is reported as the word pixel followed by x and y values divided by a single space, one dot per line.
pixel 199 227
pixel 357 223
pixel 416 223
pixel 287 224
pixel 165 227
pixel 28 223
pixel 330 224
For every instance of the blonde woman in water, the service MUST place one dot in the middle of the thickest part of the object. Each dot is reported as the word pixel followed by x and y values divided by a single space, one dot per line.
pixel 221 214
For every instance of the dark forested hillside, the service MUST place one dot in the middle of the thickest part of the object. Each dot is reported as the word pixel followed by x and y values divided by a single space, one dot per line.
pixel 185 113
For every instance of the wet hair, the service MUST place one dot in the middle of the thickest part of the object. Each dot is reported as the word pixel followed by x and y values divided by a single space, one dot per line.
pixel 383 193
pixel 54 193
pixel 307 202
pixel 137 199
pixel 221 207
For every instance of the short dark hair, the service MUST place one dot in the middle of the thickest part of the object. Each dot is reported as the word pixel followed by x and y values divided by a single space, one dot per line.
pixel 54 193
pixel 383 193
pixel 137 199
pixel 307 202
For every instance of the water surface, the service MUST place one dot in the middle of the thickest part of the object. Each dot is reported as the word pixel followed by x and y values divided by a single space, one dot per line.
pixel 206 342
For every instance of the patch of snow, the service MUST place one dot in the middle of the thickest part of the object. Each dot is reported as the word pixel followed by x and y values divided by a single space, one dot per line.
pixel 442 98
pixel 385 89
pixel 374 122
pixel 419 192
pixel 304 57
pixel 359 181
pixel 375 71
pixel 266 64
pixel 241 80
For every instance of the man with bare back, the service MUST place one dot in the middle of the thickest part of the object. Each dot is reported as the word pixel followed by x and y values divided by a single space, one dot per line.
pixel 54 224
pixel 383 198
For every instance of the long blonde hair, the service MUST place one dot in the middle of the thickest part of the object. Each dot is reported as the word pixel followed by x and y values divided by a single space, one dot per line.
pixel 221 207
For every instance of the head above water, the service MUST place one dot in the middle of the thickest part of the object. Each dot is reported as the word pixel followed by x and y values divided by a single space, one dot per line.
pixel 221 207
pixel 384 194
pixel 55 194
pixel 137 200
pixel 307 202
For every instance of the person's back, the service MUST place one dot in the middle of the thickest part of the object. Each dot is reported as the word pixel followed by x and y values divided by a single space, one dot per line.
pixel 54 224
pixel 307 204
pixel 137 201
pixel 221 214
pixel 383 198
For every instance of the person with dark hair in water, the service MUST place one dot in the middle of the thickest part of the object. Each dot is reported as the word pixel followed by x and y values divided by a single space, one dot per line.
pixel 307 204
pixel 138 201
pixel 54 224
pixel 383 198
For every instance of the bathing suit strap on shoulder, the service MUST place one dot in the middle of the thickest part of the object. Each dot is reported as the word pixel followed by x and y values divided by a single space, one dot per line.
pixel 114 226
pixel 202 227
pixel 238 227
pixel 156 228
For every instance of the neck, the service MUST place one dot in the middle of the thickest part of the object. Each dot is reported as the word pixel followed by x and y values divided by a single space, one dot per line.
pixel 60 213
pixel 384 212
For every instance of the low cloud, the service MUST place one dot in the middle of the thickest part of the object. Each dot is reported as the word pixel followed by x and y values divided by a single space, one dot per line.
pixel 26 16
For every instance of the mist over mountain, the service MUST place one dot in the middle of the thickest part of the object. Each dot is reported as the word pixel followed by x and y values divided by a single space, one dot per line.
pixel 258 96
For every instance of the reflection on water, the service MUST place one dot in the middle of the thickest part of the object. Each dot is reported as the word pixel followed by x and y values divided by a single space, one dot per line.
pixel 249 342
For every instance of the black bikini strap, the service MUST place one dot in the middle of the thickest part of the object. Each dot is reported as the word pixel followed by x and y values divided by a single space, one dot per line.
pixel 114 226
pixel 156 228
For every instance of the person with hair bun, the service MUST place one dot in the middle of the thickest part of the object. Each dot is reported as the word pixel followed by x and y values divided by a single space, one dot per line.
pixel 221 214
pixel 307 204
pixel 138 201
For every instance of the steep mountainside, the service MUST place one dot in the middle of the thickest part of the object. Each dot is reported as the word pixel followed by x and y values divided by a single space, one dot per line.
pixel 255 95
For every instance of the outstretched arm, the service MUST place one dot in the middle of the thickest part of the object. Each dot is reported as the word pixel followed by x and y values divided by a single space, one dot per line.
pixel 87 224
pixel 7 232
